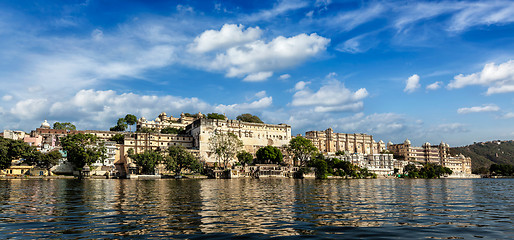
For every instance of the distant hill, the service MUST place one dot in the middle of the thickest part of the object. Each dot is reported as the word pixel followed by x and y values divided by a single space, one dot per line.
pixel 483 154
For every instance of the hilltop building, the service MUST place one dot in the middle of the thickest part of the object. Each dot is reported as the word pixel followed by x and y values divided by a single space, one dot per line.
pixel 163 121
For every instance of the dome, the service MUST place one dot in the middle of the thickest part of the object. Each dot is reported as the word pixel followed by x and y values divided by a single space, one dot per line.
pixel 163 114
pixel 200 115
pixel 45 124
pixel 406 142
pixel 143 119
pixel 390 143
pixel 426 144
pixel 381 142
pixel 157 120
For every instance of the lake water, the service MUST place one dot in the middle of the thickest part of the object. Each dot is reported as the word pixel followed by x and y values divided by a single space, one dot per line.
pixel 257 208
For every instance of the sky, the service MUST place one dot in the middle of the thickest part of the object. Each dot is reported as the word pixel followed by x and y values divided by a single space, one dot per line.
pixel 427 71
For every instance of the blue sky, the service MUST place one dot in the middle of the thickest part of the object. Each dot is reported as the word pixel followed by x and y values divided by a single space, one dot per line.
pixel 428 71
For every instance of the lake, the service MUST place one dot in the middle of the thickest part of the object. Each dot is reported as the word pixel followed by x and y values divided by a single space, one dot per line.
pixel 257 208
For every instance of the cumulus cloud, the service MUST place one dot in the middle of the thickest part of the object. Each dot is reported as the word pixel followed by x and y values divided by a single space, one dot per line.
pixel 228 36
pixel 7 98
pixel 100 109
pixel 412 84
pixel 235 109
pixel 284 76
pixel 477 109
pixel 434 86
pixel 331 97
pixel 259 56
pixel 261 94
pixel 498 78
pixel 300 85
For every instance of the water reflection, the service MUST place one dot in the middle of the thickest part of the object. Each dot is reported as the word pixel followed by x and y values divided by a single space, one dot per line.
pixel 256 208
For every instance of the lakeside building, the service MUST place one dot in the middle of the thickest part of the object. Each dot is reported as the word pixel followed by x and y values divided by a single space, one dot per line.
pixel 253 135
pixel 329 142
pixel 427 153
pixel 381 164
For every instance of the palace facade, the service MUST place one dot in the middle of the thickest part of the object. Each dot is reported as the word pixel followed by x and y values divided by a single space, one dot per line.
pixel 329 142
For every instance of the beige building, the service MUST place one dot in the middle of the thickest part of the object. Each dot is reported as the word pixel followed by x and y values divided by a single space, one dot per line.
pixel 253 135
pixel 427 153
pixel 163 121
pixel 329 142
pixel 458 164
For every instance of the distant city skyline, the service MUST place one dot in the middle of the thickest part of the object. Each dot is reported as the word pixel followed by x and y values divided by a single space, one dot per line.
pixel 422 70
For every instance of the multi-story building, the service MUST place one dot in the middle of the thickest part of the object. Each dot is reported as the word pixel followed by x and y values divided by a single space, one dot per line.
pixel 329 142
pixel 458 164
pixel 253 135
pixel 163 121
pixel 380 164
pixel 427 153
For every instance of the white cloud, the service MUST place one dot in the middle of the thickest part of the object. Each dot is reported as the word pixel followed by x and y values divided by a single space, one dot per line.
pixel 91 109
pixel 261 94
pixel 482 13
pixel 28 108
pixel 257 77
pixel 508 115
pixel 259 56
pixel 351 19
pixel 236 109
pixel 282 7
pixel 300 85
pixel 331 97
pixel 412 84
pixel 284 76
pixel 229 35
pixel 498 78
pixel 97 35
pixel 7 98
pixel 185 9
pixel 477 109
pixel 434 86
pixel 451 128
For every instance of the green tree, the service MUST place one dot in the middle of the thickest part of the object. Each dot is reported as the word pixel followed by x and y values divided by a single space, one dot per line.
pixel 244 158
pixel 130 120
pixel 44 160
pixel 247 117
pixel 64 126
pixel 179 159
pixel 147 161
pixel 118 138
pixel 321 166
pixel 172 130
pixel 224 146
pixel 302 150
pixel 146 130
pixel 269 155
pixel 11 150
pixel 121 125
pixel 501 170
pixel 215 116
pixel 82 149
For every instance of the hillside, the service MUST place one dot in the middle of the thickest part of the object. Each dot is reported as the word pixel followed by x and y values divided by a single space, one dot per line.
pixel 486 153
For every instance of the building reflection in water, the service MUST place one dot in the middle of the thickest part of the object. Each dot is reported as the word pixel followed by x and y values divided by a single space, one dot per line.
pixel 279 207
